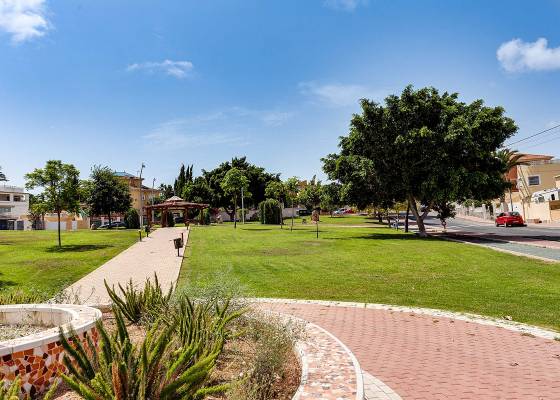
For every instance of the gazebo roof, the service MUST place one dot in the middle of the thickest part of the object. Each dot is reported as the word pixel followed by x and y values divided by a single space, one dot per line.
pixel 178 204
pixel 173 199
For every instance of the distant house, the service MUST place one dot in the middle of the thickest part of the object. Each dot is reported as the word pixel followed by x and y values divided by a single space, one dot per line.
pixel 135 184
pixel 14 208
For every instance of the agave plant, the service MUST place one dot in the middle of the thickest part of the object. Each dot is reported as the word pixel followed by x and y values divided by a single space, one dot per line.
pixel 136 304
pixel 11 391
pixel 159 368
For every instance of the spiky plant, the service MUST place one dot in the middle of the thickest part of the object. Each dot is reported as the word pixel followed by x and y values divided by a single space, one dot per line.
pixel 11 391
pixel 137 305
pixel 159 368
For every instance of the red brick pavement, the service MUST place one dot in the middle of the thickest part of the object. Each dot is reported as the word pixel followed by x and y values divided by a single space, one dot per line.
pixel 422 357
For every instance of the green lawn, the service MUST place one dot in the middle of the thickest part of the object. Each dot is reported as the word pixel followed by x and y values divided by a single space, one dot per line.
pixel 32 259
pixel 375 264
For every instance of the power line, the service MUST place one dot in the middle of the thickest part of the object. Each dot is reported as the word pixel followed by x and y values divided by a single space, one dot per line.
pixel 532 136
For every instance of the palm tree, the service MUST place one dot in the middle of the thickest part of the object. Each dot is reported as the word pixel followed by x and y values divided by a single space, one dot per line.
pixel 511 159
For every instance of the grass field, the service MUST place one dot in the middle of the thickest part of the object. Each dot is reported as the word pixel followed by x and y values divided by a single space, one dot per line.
pixel 375 264
pixel 32 259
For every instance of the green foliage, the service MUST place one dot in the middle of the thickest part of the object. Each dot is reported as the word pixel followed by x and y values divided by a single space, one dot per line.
pixel 184 179
pixel 269 212
pixel 132 219
pixel 424 147
pixel 276 190
pixel 167 191
pixel 331 196
pixel 19 296
pixel 170 219
pixel 158 368
pixel 107 193
pixel 206 217
pixel 310 195
pixel 61 187
pixel 12 391
pixel 140 305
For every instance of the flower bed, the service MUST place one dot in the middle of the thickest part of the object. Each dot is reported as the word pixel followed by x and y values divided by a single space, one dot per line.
pixel 37 358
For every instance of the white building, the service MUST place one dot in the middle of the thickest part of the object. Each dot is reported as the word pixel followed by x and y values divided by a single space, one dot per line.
pixel 14 208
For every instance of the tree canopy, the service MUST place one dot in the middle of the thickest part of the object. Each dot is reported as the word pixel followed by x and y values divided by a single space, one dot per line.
pixel 106 193
pixel 423 147
pixel 61 188
pixel 233 183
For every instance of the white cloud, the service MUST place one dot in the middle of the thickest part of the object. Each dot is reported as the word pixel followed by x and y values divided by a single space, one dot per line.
pixel 23 19
pixel 517 55
pixel 214 128
pixel 345 5
pixel 339 95
pixel 177 69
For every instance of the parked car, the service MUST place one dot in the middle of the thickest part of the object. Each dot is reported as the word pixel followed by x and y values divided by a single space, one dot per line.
pixel 510 219
pixel 115 224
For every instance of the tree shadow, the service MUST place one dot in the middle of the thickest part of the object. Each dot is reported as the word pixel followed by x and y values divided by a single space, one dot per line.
pixel 386 236
pixel 76 248
pixel 5 284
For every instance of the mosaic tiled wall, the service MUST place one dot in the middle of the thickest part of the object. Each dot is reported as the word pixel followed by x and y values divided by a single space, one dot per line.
pixel 39 366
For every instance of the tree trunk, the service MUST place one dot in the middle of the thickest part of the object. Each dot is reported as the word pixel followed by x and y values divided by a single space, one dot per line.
pixel 281 215
pixel 292 227
pixel 406 217
pixel 58 216
pixel 235 212
pixel 110 224
pixel 510 200
pixel 419 218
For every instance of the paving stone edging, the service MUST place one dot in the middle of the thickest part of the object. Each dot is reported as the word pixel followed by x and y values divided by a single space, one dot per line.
pixel 325 373
pixel 479 319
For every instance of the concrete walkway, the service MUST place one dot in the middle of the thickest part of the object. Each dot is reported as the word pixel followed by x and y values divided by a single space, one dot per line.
pixel 139 262
pixel 424 357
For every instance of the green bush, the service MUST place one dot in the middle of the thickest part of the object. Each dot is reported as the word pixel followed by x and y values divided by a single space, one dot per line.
pixel 170 220
pixel 206 217
pixel 269 211
pixel 132 219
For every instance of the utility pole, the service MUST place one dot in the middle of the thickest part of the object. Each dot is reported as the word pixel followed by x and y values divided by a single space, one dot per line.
pixel 153 184
pixel 141 210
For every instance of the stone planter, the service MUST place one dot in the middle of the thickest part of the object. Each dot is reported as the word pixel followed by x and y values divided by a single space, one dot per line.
pixel 37 359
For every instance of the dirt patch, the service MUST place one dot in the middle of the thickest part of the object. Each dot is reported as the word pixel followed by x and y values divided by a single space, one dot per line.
pixel 8 332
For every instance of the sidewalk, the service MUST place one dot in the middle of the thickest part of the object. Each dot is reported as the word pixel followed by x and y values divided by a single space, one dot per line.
pixel 139 262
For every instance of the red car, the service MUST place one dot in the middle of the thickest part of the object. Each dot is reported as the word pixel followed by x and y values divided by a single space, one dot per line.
pixel 510 219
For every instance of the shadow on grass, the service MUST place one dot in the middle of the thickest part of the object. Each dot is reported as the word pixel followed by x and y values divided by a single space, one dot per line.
pixel 385 236
pixel 76 248
pixel 5 284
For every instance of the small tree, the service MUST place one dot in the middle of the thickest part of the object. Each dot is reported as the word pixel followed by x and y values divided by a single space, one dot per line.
pixel 270 212
pixel 61 186
pixel 38 207
pixel 132 219
pixel 331 197
pixel 511 159
pixel 311 194
pixel 277 190
pixel 170 219
pixel 107 193
pixel 233 182
pixel 292 189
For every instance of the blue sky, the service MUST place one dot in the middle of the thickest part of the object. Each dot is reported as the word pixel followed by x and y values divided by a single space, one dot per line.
pixel 197 82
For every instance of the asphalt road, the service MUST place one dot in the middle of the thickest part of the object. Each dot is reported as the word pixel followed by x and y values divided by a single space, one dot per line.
pixel 461 225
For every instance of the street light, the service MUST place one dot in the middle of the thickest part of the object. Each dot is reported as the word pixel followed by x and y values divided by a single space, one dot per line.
pixel 141 211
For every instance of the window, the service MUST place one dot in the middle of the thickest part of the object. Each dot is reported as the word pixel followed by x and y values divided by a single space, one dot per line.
pixel 4 197
pixel 534 180
pixel 19 197
pixel 5 209
pixel 552 197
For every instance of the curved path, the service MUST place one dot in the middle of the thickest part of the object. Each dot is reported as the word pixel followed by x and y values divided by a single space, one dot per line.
pixel 424 357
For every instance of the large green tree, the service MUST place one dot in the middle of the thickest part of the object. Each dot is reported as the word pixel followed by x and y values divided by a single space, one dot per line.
pixel 233 183
pixel 330 195
pixel 107 194
pixel 61 188
pixel 424 147
pixel 310 194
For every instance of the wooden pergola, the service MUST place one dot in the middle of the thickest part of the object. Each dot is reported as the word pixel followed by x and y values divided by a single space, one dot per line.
pixel 175 203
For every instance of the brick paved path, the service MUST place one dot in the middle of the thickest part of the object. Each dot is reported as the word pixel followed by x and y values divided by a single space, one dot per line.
pixel 139 262
pixel 422 357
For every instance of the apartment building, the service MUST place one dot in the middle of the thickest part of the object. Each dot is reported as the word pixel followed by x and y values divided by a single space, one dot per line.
pixel 14 208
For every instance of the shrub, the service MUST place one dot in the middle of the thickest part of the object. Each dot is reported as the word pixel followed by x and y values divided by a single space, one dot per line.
pixel 132 219
pixel 274 345
pixel 11 391
pixel 158 368
pixel 269 211
pixel 20 297
pixel 207 217
pixel 170 220
pixel 141 305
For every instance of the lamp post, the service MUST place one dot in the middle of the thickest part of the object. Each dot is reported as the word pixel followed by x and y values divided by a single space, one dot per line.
pixel 141 211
